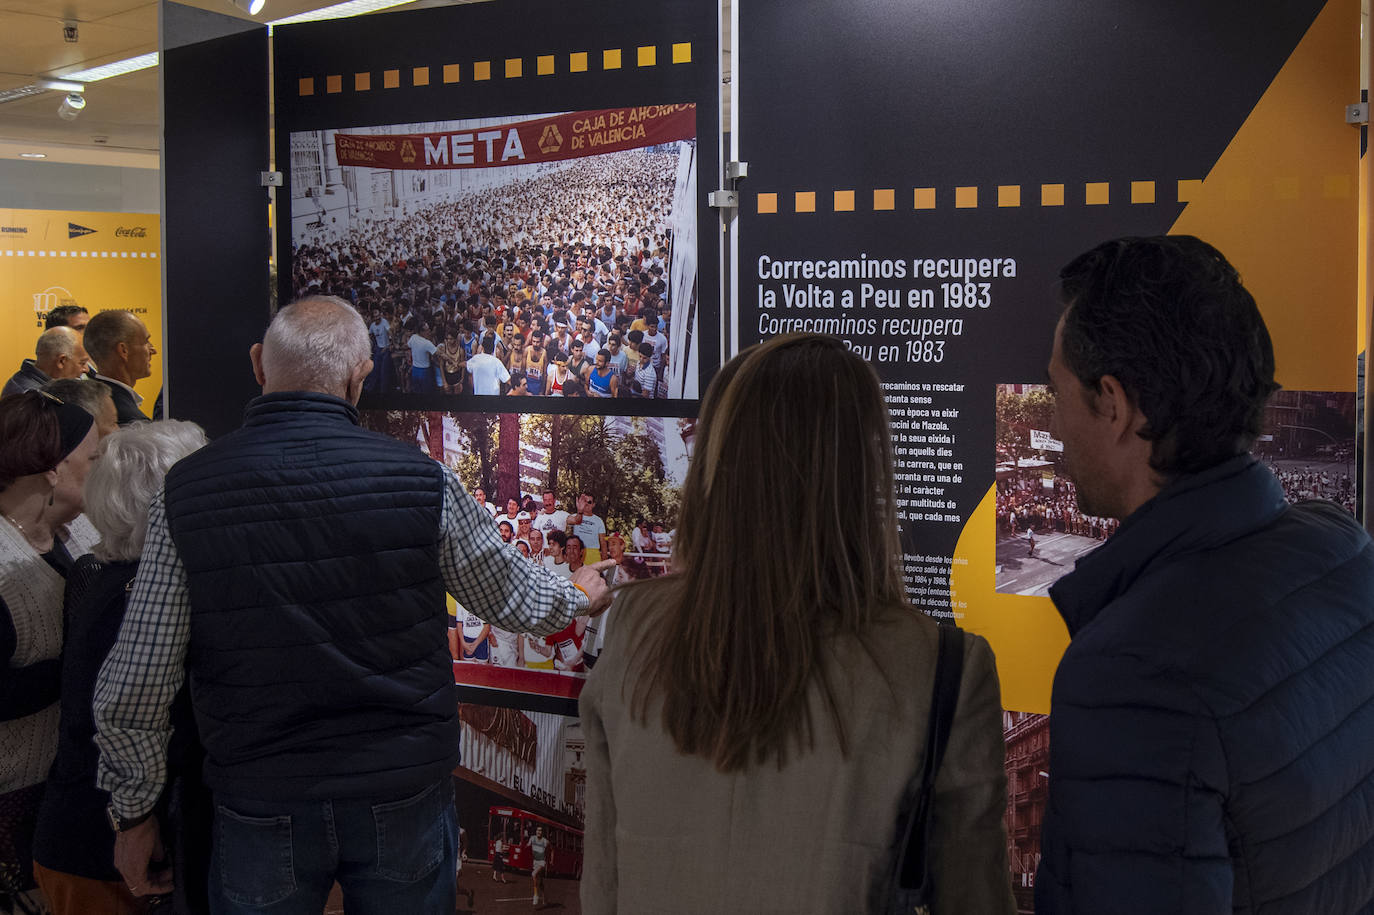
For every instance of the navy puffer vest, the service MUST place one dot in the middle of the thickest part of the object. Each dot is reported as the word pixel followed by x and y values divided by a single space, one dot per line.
pixel 318 660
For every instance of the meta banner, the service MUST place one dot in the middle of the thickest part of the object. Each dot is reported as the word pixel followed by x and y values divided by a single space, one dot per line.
pixel 563 136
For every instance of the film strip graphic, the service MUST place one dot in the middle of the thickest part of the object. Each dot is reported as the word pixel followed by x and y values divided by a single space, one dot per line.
pixel 93 255
pixel 1090 193
pixel 508 68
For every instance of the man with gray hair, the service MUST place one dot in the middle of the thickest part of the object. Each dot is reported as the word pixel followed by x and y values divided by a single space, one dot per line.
pixel 296 569
pixel 91 396
pixel 58 354
pixel 123 351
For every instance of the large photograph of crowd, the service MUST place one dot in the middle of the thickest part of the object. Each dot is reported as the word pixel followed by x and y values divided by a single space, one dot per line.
pixel 563 492
pixel 1308 441
pixel 514 268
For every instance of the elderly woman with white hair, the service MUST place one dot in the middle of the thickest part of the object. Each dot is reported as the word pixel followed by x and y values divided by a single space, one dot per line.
pixel 73 846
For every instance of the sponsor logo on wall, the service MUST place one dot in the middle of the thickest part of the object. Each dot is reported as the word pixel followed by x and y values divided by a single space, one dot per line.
pixel 131 232
pixel 76 231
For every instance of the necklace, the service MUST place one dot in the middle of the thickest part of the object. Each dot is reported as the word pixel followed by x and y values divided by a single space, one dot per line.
pixel 23 533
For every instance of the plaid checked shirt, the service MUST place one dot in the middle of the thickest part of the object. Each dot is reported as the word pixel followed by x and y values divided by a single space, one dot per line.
pixel 146 667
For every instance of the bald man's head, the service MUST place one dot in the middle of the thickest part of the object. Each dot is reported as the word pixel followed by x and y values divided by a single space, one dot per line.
pixel 59 353
pixel 319 343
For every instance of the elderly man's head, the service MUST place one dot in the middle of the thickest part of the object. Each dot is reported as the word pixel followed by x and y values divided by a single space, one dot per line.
pixel 121 345
pixel 319 344
pixel 59 353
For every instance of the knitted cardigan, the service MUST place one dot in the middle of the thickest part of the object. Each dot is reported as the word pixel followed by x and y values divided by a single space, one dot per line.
pixel 32 591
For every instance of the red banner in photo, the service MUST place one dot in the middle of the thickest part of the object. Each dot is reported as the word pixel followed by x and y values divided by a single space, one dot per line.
pixel 563 136
pixel 517 679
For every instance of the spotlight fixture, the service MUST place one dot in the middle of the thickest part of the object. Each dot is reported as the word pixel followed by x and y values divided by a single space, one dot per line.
pixel 33 155
pixel 251 7
pixel 72 105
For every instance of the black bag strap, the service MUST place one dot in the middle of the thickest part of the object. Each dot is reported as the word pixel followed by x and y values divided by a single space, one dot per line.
pixel 913 867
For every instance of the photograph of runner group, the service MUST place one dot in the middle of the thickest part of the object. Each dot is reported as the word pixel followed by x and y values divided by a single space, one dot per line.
pixel 562 491
pixel 1307 440
pixel 540 255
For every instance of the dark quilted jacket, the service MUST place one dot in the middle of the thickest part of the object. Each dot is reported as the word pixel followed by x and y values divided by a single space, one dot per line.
pixel 1212 721
pixel 318 660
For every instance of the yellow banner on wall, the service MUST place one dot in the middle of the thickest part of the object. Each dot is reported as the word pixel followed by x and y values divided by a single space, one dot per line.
pixel 100 261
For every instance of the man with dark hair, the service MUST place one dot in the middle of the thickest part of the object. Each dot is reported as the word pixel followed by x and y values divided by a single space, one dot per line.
pixel 123 352
pixel 74 316
pixel 1210 721
pixel 58 354
pixel 645 375
pixel 579 363
pixel 488 374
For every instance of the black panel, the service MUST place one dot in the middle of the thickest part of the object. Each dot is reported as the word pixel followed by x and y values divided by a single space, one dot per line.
pixel 998 92
pixel 214 224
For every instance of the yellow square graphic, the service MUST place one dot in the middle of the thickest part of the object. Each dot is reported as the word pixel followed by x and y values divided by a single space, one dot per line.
pixel 1189 189
pixel 481 70
pixel 362 82
pixel 924 198
pixel 391 79
pixel 1238 189
pixel 610 60
pixel 805 202
pixel 307 86
pixel 515 67
pixel 1142 192
pixel 682 52
pixel 844 201
pixel 419 76
pixel 1287 188
pixel 885 199
pixel 450 73
pixel 965 198
pixel 543 64
pixel 648 55
pixel 333 84
pixel 1051 195
pixel 1008 195
pixel 1336 187
pixel 1097 193
pixel 768 203
pixel 577 62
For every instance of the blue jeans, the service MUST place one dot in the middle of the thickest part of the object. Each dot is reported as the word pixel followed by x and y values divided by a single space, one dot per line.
pixel 282 858
pixel 421 379
pixel 379 380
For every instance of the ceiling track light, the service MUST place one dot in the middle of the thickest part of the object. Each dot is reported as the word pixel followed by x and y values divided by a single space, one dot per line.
pixel 62 85
pixel 251 7
pixel 72 105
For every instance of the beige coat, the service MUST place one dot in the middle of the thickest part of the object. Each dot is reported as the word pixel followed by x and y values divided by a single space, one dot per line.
pixel 669 833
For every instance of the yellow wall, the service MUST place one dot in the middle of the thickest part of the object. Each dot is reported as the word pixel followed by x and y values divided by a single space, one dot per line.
pixel 47 260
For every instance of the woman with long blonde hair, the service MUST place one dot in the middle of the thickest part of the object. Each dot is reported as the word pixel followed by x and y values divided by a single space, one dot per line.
pixel 757 721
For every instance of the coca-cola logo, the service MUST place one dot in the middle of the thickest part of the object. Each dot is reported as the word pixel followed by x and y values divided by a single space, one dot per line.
pixel 131 232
